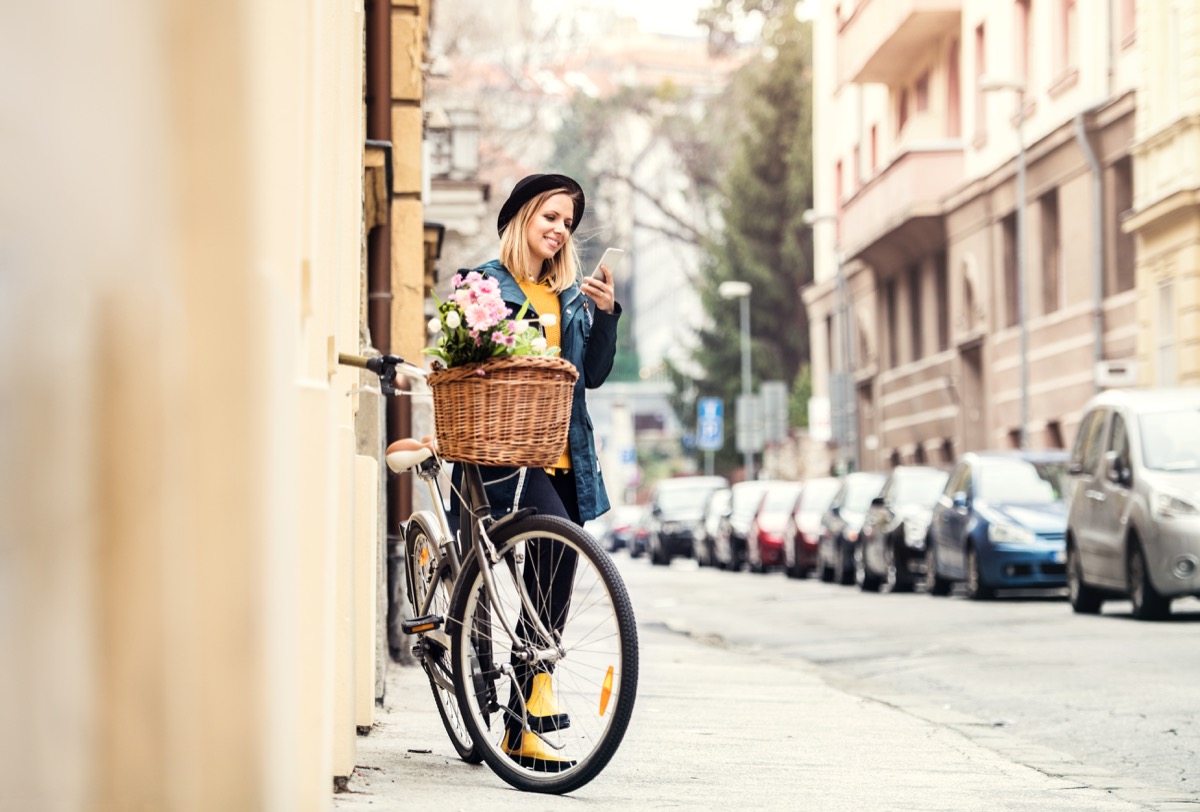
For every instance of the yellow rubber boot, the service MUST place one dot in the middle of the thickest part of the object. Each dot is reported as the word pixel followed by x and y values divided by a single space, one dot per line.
pixel 533 754
pixel 542 708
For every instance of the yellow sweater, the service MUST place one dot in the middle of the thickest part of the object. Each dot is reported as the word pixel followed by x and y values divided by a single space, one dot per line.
pixel 545 302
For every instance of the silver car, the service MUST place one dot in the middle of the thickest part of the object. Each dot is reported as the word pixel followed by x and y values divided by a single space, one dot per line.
pixel 1133 526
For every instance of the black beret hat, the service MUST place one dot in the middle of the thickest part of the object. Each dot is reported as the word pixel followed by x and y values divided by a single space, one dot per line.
pixel 531 186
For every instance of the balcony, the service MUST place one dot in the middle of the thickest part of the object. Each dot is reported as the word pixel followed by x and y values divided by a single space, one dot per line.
pixel 897 217
pixel 883 39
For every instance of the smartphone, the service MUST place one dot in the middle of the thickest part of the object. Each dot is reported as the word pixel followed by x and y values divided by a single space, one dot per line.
pixel 611 259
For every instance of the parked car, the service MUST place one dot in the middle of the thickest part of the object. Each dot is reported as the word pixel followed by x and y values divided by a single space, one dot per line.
pixel 891 547
pixel 622 522
pixel 803 527
pixel 841 524
pixel 1133 522
pixel 764 541
pixel 999 524
pixel 731 539
pixel 676 512
pixel 705 541
pixel 639 541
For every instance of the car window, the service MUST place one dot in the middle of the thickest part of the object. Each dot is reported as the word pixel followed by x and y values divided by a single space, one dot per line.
pixel 816 496
pixel 1118 439
pixel 959 481
pixel 1086 451
pixel 860 491
pixel 676 499
pixel 1020 481
pixel 780 498
pixel 1171 440
pixel 918 487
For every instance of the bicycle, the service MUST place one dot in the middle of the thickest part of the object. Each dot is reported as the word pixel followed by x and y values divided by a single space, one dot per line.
pixel 523 626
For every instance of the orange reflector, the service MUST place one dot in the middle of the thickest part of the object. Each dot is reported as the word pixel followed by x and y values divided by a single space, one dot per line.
pixel 424 555
pixel 606 691
pixel 424 627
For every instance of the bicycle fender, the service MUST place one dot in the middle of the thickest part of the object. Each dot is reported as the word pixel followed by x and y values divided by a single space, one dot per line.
pixel 515 516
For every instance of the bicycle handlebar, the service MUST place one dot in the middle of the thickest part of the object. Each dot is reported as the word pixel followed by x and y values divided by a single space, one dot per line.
pixel 385 366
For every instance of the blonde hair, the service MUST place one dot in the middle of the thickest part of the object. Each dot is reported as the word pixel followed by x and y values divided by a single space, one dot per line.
pixel 560 271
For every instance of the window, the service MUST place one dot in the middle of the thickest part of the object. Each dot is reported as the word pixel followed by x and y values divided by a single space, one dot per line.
pixel 1054 435
pixel 941 293
pixel 1122 277
pixel 914 309
pixel 1118 440
pixel 1086 450
pixel 1164 334
pixel 874 148
pixel 1008 229
pixel 953 94
pixel 889 294
pixel 902 113
pixel 1068 36
pixel 857 168
pixel 922 92
pixel 980 70
pixel 1022 41
pixel 1053 279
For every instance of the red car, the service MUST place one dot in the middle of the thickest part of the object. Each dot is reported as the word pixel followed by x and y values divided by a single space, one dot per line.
pixel 764 542
pixel 804 526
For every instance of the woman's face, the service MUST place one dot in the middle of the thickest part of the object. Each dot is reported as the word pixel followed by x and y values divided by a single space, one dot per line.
pixel 551 226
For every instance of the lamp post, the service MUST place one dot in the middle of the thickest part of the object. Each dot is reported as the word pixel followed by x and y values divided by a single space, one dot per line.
pixel 987 86
pixel 735 289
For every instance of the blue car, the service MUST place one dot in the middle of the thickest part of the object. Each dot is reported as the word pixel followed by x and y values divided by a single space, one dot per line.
pixel 1000 523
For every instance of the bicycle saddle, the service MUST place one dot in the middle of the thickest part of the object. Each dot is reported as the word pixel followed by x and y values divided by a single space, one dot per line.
pixel 404 454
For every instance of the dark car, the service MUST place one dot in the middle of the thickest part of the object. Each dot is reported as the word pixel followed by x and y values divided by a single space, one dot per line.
pixel 715 511
pixel 730 549
pixel 764 542
pixel 1000 523
pixel 676 513
pixel 621 525
pixel 891 547
pixel 841 523
pixel 803 527
pixel 639 540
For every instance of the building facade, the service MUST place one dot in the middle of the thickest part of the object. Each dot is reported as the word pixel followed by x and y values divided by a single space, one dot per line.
pixel 949 312
pixel 188 517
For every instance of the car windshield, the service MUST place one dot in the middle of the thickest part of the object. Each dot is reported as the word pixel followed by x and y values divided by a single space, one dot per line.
pixel 745 500
pixel 1171 440
pixel 676 500
pixel 919 487
pixel 860 491
pixel 817 495
pixel 1021 481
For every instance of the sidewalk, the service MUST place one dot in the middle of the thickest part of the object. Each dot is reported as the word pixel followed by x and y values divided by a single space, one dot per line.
pixel 713 729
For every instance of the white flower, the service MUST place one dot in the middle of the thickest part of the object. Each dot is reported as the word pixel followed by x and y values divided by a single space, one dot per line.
pixel 519 326
pixel 453 320
pixel 539 344
pixel 435 326
pixel 548 320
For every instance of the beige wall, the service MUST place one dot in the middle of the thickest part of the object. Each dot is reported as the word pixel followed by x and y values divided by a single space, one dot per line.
pixel 178 483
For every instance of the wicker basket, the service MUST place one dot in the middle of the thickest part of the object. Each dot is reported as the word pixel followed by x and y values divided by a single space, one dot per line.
pixel 507 411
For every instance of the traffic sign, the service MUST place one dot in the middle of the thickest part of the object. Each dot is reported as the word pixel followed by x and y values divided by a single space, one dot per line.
pixel 710 424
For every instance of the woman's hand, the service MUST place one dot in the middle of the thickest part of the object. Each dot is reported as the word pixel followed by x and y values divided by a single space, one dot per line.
pixel 600 289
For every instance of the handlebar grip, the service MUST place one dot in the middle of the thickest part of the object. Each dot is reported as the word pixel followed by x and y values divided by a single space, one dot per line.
pixel 352 360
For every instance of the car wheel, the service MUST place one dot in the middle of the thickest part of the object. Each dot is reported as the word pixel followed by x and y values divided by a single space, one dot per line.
pixel 977 590
pixel 657 556
pixel 896 581
pixel 1085 600
pixel 843 569
pixel 865 580
pixel 934 583
pixel 1147 603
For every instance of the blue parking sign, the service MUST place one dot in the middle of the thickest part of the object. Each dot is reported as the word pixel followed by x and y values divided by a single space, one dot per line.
pixel 710 424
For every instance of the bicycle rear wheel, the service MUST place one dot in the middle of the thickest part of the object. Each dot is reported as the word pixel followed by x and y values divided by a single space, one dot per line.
pixel 581 702
pixel 425 576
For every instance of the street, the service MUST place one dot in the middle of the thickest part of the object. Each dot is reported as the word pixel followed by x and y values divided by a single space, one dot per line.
pixel 1112 692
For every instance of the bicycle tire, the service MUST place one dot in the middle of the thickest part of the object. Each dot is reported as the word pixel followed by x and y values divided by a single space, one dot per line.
pixel 419 536
pixel 594 684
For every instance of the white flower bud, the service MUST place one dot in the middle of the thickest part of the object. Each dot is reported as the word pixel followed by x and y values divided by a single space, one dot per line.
pixel 435 326
pixel 539 344
pixel 548 320
pixel 519 326
pixel 453 320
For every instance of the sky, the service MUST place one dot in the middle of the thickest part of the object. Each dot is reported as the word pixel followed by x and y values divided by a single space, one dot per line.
pixel 664 16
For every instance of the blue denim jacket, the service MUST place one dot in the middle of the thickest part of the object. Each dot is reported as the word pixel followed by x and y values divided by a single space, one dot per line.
pixel 589 341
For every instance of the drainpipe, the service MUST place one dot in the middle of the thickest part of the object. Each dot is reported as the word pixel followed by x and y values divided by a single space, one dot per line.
pixel 1097 240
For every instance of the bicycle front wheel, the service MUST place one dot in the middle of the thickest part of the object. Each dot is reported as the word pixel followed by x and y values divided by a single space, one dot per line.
pixel 549 724
pixel 429 589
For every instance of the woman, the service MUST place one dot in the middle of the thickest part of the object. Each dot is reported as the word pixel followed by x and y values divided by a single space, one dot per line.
pixel 539 263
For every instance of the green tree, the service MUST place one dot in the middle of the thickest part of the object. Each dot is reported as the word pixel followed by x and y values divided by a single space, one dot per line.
pixel 764 240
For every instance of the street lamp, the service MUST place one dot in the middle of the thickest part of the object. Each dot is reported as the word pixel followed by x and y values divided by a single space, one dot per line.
pixel 988 85
pixel 735 289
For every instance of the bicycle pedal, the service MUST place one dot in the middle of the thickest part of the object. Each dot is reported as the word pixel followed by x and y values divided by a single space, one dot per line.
pixel 420 625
